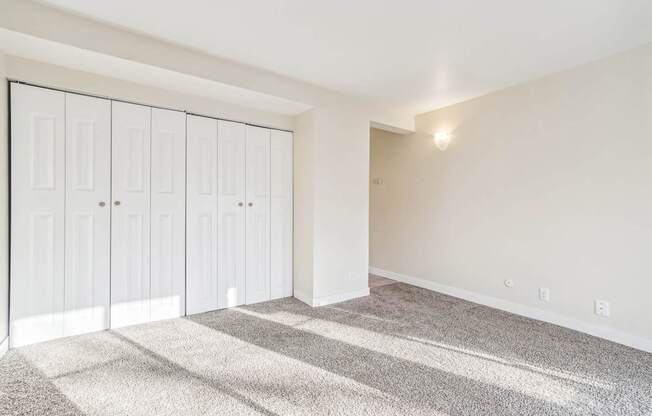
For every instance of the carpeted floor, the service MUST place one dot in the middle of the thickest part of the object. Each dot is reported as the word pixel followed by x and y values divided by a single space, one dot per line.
pixel 377 281
pixel 401 351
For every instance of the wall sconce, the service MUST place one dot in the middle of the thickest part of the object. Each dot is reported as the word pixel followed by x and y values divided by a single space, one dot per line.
pixel 442 140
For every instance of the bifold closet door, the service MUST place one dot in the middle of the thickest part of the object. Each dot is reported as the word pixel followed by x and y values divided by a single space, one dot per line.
pixel 281 214
pixel 201 226
pixel 231 209
pixel 37 214
pixel 87 214
pixel 258 214
pixel 130 223
pixel 168 208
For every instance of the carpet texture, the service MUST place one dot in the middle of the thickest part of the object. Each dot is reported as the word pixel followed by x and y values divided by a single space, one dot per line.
pixel 377 281
pixel 401 351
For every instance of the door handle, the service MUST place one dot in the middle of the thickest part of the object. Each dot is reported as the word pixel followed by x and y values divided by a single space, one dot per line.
pixel 102 203
pixel 116 203
pixel 251 204
pixel 240 204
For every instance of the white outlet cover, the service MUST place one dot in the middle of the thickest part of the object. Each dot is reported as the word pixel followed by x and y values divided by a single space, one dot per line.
pixel 602 308
pixel 544 294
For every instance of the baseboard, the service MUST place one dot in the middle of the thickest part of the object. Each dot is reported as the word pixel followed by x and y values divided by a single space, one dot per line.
pixel 303 297
pixel 599 331
pixel 327 300
pixel 4 346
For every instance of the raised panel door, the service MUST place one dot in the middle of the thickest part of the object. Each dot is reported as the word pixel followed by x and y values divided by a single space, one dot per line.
pixel 88 193
pixel 37 214
pixel 168 205
pixel 130 236
pixel 231 213
pixel 258 215
pixel 201 228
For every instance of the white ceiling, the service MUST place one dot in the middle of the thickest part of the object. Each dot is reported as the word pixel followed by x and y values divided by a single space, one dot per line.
pixel 414 54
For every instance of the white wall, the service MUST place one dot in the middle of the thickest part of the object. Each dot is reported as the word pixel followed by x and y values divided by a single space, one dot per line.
pixel 304 160
pixel 331 205
pixel 342 197
pixel 547 184
pixel 4 205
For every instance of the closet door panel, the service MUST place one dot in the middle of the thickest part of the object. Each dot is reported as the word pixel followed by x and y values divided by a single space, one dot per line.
pixel 130 237
pixel 37 214
pixel 88 193
pixel 202 196
pixel 168 208
pixel 281 214
pixel 231 213
pixel 258 215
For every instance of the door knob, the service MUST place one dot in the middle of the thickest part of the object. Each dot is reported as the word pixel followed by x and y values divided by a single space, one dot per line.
pixel 240 204
pixel 116 203
pixel 102 203
pixel 251 204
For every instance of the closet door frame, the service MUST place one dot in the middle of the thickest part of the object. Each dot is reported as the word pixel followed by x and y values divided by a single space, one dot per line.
pixel 139 210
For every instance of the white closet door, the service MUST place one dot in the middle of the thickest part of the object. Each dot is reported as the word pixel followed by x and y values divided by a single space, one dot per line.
pixel 168 237
pixel 258 214
pixel 130 237
pixel 37 214
pixel 201 270
pixel 88 215
pixel 281 214
pixel 231 213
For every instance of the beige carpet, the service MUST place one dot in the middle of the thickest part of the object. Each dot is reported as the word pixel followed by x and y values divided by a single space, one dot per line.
pixel 401 351
pixel 378 281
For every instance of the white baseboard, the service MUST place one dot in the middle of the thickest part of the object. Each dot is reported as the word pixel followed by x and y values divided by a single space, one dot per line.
pixel 327 300
pixel 599 331
pixel 4 346
pixel 303 297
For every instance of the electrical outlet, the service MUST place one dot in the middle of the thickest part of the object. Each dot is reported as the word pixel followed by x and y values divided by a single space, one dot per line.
pixel 602 308
pixel 544 294
pixel 509 283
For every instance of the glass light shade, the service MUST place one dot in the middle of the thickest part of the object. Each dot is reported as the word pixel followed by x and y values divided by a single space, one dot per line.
pixel 442 140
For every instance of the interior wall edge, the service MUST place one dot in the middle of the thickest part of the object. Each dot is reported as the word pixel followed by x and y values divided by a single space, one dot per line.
pixel 600 331
pixel 4 201
pixel 303 297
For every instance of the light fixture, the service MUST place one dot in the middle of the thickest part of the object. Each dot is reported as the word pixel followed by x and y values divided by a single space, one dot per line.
pixel 442 140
